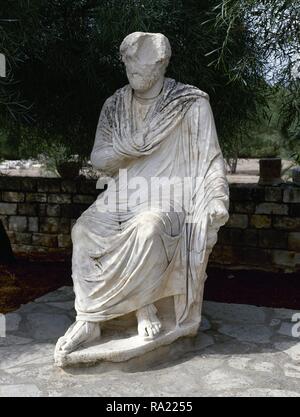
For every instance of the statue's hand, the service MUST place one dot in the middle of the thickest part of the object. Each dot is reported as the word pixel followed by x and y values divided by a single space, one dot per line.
pixel 217 216
pixel 217 213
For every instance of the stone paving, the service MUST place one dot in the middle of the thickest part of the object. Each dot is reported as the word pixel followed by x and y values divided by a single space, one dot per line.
pixel 241 350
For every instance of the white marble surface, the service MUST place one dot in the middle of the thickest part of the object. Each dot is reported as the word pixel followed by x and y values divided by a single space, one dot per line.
pixel 147 237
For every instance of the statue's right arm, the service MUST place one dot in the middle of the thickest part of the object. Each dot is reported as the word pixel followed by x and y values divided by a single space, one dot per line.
pixel 103 155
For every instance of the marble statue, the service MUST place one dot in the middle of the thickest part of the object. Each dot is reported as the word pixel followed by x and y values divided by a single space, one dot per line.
pixel 144 257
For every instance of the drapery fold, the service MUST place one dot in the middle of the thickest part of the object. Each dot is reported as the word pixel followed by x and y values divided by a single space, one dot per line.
pixel 178 139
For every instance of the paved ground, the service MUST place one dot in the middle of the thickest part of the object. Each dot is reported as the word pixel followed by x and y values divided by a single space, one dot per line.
pixel 242 350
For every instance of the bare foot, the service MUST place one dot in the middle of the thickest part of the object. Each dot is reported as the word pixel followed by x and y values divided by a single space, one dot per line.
pixel 79 333
pixel 148 324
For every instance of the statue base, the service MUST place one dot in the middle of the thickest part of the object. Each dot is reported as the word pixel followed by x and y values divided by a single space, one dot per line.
pixel 127 345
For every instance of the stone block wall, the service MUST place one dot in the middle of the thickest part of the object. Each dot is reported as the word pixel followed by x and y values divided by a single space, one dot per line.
pixel 38 213
pixel 263 231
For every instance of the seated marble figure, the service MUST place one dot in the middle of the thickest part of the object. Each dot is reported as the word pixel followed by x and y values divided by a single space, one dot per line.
pixel 127 258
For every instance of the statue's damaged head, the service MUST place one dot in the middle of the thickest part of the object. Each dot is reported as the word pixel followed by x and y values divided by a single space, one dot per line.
pixel 146 57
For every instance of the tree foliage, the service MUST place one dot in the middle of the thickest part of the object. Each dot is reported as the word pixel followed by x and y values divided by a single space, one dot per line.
pixel 64 60
pixel 274 31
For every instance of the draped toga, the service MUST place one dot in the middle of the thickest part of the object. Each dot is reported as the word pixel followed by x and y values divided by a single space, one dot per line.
pixel 150 246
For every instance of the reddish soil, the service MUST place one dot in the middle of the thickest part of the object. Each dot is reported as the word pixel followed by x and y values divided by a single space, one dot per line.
pixel 253 287
pixel 28 279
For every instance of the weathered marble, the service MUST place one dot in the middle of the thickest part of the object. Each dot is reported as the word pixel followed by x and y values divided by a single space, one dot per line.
pixel 148 236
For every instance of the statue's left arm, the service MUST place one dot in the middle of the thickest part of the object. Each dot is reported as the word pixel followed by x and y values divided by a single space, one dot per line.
pixel 212 169
pixel 219 204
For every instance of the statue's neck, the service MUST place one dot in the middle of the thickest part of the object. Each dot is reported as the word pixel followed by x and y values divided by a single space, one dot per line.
pixel 153 92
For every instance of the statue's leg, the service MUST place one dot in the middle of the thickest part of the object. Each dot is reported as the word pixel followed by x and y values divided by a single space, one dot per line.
pixel 151 230
pixel 82 331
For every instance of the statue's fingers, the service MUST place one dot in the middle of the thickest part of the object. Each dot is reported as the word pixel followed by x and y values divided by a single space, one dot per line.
pixel 70 345
pixel 63 345
pixel 153 328
pixel 150 331
pixel 142 331
pixel 59 344
pixel 156 329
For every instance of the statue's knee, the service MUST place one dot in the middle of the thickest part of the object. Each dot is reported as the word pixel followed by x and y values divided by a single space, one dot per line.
pixel 148 226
